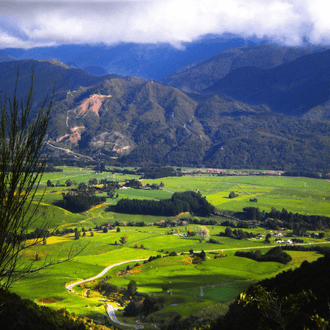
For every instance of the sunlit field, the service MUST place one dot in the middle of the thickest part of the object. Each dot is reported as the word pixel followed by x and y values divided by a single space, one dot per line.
pixel 200 289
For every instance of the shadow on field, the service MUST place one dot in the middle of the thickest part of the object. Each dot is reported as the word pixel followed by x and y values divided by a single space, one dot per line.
pixel 214 287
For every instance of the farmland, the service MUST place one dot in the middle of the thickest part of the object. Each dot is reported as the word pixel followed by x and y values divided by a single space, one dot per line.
pixel 220 279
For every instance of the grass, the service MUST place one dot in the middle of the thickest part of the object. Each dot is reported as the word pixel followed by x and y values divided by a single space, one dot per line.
pixel 221 279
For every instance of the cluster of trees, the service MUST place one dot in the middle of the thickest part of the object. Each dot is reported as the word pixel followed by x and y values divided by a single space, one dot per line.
pixel 186 221
pixel 191 322
pixel 287 219
pixel 315 175
pixel 236 233
pixel 37 234
pixel 240 224
pixel 188 201
pixel 321 249
pixel 79 203
pixel 148 306
pixel 133 183
pixel 275 254
pixel 159 172
pixel 136 184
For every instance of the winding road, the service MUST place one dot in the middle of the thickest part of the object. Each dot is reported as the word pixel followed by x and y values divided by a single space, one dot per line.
pixel 110 309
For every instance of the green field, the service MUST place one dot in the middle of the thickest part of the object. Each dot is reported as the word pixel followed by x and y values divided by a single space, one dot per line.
pixel 220 280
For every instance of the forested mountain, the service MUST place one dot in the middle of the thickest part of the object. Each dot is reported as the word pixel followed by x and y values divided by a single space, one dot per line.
pixel 46 73
pixel 152 61
pixel 135 121
pixel 292 88
pixel 208 72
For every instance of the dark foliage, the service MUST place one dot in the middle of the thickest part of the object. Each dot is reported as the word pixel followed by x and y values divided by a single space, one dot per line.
pixel 190 322
pixel 306 174
pixel 288 220
pixel 17 313
pixel 188 201
pixel 158 172
pixel 132 309
pixel 232 194
pixel 236 233
pixel 275 254
pixel 79 203
pixel 309 276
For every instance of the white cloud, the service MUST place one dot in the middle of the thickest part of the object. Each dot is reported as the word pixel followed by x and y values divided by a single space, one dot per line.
pixel 30 22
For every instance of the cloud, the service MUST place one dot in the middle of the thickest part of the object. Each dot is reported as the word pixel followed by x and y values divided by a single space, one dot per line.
pixel 29 22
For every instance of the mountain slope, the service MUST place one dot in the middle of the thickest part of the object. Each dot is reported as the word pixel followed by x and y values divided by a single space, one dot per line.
pixel 205 74
pixel 148 123
pixel 292 88
pixel 46 73
pixel 135 121
pixel 153 61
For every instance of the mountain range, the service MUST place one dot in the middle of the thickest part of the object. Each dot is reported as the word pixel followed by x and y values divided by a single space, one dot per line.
pixel 152 61
pixel 260 106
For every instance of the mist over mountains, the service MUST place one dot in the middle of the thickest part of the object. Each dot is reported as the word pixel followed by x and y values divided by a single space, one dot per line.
pixel 257 106
pixel 152 61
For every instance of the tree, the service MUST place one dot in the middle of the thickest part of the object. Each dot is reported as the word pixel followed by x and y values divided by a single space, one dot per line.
pixel 131 288
pixel 22 163
pixel 92 182
pixel 132 309
pixel 232 194
pixel 123 240
pixel 283 311
pixel 202 231
pixel 202 255
pixel 76 234
pixel 268 237
pixel 228 232
pixel 68 183
pixel 165 287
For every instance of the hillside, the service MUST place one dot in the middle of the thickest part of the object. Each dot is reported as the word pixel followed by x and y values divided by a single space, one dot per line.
pixel 134 121
pixel 208 72
pixel 309 276
pixel 18 313
pixel 292 88
pixel 149 123
pixel 46 73
pixel 153 61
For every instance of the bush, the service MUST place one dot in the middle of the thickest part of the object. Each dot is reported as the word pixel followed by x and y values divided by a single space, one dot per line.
pixel 213 241
pixel 232 195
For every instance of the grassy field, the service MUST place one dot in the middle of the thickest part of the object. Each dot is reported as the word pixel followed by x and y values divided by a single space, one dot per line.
pixel 219 279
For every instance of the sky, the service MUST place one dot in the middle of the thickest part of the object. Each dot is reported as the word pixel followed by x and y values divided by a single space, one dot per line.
pixel 35 23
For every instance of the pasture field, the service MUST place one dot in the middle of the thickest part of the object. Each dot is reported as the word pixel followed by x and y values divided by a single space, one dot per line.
pixel 296 194
pixel 220 280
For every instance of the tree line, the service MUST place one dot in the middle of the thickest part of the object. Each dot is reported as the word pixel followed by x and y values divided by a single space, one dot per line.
pixel 275 254
pixel 188 201
pixel 276 219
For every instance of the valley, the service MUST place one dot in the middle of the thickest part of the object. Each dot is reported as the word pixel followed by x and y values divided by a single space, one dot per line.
pixel 177 183
pixel 201 288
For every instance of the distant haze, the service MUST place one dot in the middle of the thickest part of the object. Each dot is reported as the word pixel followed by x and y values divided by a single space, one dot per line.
pixel 28 23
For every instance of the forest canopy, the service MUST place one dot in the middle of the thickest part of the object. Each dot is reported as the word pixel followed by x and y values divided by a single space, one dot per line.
pixel 188 201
